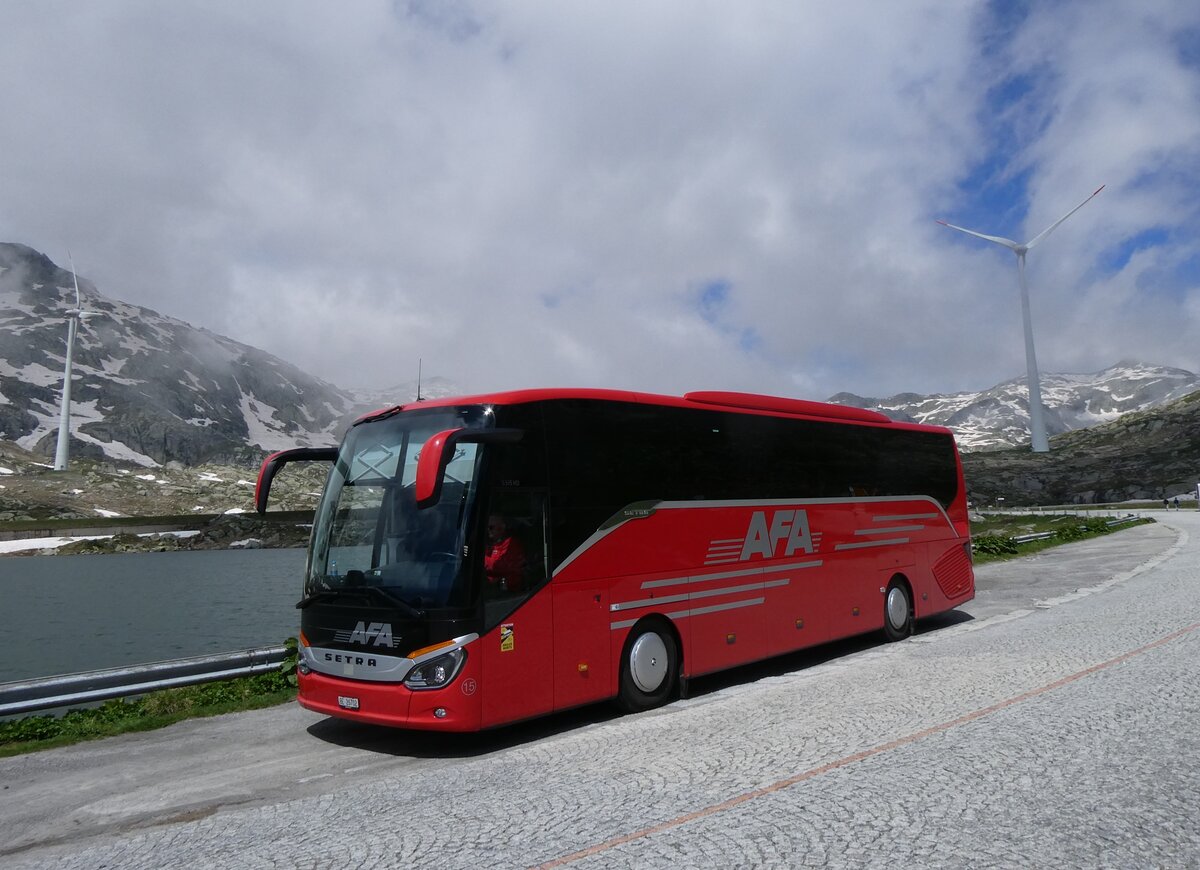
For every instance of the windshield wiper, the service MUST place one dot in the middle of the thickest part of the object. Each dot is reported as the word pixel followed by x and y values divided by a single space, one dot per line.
pixel 329 594
pixel 323 595
pixel 399 603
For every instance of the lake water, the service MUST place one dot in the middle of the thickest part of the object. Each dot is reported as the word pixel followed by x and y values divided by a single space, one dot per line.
pixel 64 614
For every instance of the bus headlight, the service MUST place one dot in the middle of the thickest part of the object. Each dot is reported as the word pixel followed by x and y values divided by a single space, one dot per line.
pixel 436 672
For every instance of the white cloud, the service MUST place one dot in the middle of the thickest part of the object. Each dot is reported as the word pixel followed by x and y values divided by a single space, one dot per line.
pixel 527 194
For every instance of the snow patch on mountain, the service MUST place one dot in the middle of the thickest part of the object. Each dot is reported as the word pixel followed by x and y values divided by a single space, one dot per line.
pixel 999 416
pixel 146 388
pixel 263 425
pixel 31 373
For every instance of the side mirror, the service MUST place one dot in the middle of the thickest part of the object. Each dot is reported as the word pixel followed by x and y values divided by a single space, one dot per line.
pixel 276 461
pixel 439 450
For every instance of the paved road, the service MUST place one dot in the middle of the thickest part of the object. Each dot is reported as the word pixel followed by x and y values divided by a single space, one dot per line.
pixel 1055 722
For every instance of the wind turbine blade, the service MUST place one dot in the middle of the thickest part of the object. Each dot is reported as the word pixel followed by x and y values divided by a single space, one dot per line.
pixel 75 279
pixel 1050 228
pixel 999 240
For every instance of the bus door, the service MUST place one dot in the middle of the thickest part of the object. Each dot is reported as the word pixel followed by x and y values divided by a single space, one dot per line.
pixel 582 643
pixel 517 644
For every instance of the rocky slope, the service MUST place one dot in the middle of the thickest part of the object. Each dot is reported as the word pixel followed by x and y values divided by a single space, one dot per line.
pixel 94 489
pixel 1151 454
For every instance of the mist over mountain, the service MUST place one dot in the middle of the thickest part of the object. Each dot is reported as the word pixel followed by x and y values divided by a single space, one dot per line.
pixel 147 388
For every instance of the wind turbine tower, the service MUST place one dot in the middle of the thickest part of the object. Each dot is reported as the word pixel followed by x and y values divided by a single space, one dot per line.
pixel 74 316
pixel 1037 423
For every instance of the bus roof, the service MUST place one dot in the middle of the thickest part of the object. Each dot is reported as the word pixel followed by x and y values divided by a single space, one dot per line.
pixel 730 401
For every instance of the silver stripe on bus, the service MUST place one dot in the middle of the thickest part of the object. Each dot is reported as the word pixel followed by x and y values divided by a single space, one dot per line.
pixel 723 553
pixel 899 517
pixel 866 544
pixel 890 530
pixel 646 602
pixel 715 608
pixel 697 611
pixel 692 596
pixel 730 575
pixel 749 587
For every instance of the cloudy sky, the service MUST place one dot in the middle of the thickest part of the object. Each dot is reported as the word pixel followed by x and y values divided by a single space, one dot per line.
pixel 660 196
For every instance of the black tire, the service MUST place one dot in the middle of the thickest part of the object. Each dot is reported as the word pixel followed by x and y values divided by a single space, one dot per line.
pixel 897 611
pixel 649 667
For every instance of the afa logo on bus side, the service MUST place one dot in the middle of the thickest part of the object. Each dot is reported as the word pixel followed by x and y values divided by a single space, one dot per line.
pixel 788 527
pixel 507 640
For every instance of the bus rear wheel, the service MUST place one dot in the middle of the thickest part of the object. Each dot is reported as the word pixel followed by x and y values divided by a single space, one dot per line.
pixel 897 611
pixel 649 668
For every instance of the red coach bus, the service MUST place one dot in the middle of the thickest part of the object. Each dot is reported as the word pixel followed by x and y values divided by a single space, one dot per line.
pixel 477 561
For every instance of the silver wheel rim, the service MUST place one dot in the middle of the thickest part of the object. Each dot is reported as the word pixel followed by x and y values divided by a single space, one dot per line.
pixel 897 607
pixel 648 662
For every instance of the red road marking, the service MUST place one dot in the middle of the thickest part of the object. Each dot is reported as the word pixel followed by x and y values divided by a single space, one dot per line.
pixel 860 756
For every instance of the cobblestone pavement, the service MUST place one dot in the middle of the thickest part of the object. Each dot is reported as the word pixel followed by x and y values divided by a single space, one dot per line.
pixel 1063 733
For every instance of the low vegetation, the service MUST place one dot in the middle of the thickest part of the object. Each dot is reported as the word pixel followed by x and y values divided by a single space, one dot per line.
pixel 155 710
pixel 1003 536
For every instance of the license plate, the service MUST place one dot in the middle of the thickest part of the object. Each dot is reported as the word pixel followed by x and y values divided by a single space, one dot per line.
pixel 347 703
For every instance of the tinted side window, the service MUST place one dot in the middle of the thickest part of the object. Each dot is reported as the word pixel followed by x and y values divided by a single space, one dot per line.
pixel 602 456
pixel 605 455
pixel 918 462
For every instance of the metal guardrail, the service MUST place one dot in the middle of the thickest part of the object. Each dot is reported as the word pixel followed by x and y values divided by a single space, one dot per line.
pixel 45 693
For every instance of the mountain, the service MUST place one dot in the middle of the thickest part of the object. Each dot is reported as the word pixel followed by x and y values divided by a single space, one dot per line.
pixel 150 389
pixel 1152 454
pixel 154 391
pixel 999 417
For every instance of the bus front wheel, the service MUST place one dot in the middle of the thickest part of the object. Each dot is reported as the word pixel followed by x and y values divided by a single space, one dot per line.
pixel 897 611
pixel 649 667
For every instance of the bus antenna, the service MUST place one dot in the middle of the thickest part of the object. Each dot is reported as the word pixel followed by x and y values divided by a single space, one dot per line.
pixel 419 361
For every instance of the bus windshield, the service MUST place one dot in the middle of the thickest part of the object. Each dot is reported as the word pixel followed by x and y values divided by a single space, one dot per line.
pixel 369 532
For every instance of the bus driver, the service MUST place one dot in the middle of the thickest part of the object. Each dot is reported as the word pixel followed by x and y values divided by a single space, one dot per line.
pixel 504 560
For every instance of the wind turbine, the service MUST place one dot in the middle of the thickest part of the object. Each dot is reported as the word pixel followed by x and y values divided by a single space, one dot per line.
pixel 74 316
pixel 1037 425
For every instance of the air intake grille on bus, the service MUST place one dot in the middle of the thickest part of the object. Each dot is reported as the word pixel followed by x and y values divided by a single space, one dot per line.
pixel 953 573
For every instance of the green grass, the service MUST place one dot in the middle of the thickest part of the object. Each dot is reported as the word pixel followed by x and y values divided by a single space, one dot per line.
pixel 155 710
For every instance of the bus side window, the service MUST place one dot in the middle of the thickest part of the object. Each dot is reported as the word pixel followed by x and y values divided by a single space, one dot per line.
pixel 522 516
